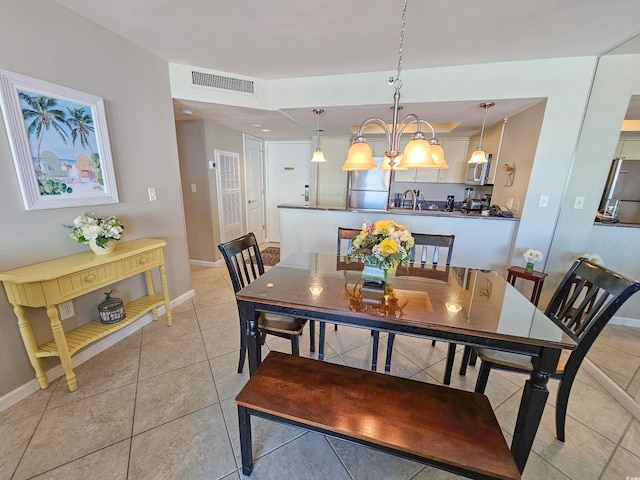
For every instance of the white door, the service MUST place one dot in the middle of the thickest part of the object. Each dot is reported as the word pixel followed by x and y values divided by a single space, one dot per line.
pixel 288 171
pixel 254 181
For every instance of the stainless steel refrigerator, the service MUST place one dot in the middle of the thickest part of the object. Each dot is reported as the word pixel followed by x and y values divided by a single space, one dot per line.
pixel 621 197
pixel 369 189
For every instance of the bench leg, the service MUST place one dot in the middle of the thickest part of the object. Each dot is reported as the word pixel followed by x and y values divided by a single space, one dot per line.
pixel 244 420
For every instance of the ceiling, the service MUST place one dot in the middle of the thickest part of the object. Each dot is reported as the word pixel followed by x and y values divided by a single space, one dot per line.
pixel 271 39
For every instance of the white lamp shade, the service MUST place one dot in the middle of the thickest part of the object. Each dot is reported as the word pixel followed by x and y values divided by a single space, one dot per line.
pixel 437 154
pixel 417 154
pixel 478 156
pixel 318 156
pixel 359 157
pixel 386 164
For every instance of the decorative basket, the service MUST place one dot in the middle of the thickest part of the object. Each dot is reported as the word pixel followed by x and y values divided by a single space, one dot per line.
pixel 111 310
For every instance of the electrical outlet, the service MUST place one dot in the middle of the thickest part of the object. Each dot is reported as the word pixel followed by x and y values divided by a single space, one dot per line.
pixel 153 196
pixel 509 203
pixel 516 205
pixel 579 203
pixel 544 201
pixel 66 310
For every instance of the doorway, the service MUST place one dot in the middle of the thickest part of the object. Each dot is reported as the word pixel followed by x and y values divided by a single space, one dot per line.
pixel 288 171
pixel 254 187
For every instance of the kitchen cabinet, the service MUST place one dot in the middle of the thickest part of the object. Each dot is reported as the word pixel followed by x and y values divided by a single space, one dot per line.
pixel 455 150
pixel 491 143
pixel 629 149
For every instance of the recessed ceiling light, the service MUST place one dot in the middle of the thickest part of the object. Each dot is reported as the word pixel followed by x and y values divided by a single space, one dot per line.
pixel 256 125
pixel 186 111
pixel 265 130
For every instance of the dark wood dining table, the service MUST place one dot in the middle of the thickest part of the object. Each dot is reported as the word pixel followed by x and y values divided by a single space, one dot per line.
pixel 454 304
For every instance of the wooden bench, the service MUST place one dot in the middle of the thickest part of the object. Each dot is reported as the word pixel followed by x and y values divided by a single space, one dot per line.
pixel 450 429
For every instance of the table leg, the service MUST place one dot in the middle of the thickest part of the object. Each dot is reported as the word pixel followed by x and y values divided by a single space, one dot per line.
pixel 61 345
pixel 30 345
pixel 532 405
pixel 151 290
pixel 249 315
pixel 165 294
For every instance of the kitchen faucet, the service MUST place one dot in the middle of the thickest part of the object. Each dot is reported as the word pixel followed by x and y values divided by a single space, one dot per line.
pixel 414 201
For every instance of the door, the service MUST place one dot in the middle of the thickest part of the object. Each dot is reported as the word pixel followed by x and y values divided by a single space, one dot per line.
pixel 288 171
pixel 254 181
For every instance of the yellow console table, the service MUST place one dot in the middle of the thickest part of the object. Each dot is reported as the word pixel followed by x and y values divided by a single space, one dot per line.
pixel 50 283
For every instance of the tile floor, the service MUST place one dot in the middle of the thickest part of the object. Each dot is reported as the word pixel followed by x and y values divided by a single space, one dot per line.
pixel 160 405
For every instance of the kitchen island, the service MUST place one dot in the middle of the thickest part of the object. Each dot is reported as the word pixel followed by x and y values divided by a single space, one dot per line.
pixel 481 241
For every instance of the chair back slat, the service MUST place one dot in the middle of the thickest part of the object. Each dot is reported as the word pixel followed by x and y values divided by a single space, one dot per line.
pixel 243 259
pixel 345 240
pixel 426 243
pixel 586 299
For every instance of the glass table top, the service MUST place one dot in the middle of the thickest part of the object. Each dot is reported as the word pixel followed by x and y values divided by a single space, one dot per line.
pixel 446 298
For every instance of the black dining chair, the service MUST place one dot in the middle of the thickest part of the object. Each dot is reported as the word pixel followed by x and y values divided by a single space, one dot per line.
pixel 425 258
pixel 244 262
pixel 344 246
pixel 586 299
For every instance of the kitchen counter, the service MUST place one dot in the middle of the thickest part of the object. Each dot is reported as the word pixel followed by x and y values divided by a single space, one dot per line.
pixel 617 224
pixel 404 211
pixel 480 242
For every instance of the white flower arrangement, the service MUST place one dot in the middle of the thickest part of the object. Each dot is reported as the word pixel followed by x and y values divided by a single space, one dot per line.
pixel 592 257
pixel 93 227
pixel 383 244
pixel 533 256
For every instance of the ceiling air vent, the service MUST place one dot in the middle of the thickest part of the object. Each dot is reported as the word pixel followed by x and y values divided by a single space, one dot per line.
pixel 219 81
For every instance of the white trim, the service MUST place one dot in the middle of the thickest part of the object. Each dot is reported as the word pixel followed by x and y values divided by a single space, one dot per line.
pixel 613 388
pixel 625 321
pixel 205 263
pixel 23 391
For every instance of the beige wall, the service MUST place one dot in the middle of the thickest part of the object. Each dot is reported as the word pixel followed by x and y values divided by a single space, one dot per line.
pixel 47 42
pixel 197 142
pixel 519 144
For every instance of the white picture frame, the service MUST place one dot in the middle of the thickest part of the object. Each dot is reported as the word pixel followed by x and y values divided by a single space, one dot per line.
pixel 59 142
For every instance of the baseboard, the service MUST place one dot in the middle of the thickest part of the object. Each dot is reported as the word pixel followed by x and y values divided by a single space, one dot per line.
pixel 615 390
pixel 32 386
pixel 202 263
pixel 625 321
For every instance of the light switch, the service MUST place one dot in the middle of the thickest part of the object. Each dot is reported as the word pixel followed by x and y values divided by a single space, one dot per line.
pixel 544 201
pixel 193 188
pixel 579 203
pixel 152 194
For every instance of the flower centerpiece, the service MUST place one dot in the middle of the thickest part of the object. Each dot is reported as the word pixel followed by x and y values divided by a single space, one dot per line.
pixel 592 257
pixel 532 256
pixel 100 233
pixel 381 246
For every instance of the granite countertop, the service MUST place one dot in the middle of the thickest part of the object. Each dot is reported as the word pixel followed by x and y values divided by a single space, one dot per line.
pixel 617 224
pixel 403 211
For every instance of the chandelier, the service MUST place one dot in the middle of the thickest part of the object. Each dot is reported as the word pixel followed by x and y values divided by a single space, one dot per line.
pixel 419 152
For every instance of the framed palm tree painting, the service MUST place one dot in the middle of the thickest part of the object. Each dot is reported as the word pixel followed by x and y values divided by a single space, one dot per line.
pixel 59 142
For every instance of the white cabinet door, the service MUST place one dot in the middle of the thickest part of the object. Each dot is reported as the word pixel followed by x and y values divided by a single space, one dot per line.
pixel 405 175
pixel 493 146
pixel 631 150
pixel 427 175
pixel 455 151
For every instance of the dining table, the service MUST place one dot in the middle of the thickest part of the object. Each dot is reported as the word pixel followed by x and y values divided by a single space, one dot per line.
pixel 467 306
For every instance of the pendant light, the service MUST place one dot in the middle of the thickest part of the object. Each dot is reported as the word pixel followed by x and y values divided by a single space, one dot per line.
pixel 418 152
pixel 318 156
pixel 478 155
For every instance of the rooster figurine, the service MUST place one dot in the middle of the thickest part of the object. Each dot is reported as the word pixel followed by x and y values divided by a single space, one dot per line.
pixel 511 171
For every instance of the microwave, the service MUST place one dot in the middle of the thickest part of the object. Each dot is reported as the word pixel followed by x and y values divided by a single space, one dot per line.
pixel 478 173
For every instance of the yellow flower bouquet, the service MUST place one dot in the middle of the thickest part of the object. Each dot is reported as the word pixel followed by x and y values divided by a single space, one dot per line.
pixel 383 244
